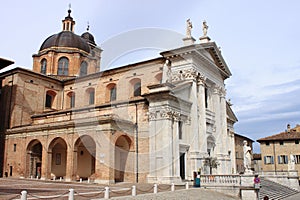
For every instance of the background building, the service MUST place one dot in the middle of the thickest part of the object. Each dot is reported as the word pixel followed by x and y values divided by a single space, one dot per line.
pixel 3 63
pixel 239 151
pixel 151 121
pixel 277 151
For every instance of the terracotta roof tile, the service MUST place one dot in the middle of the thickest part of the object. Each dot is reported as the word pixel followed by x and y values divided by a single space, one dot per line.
pixel 292 135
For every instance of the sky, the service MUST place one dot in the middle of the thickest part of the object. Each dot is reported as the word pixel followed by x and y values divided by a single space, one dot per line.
pixel 259 41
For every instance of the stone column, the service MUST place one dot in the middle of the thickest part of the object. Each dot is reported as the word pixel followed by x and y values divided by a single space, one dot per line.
pixel 46 165
pixel 201 114
pixel 70 172
pixel 162 146
pixel 105 158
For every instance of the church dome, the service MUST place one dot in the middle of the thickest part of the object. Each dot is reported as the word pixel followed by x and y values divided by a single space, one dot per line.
pixel 89 38
pixel 66 39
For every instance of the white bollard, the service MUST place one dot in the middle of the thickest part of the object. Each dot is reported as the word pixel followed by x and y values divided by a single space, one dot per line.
pixel 106 193
pixel 133 191
pixel 173 187
pixel 186 185
pixel 31 177
pixel 88 180
pixel 80 180
pixel 71 194
pixel 60 178
pixel 24 195
pixel 155 189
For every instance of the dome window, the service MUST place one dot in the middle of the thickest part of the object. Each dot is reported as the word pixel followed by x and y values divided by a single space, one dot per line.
pixel 63 66
pixel 44 66
pixel 83 68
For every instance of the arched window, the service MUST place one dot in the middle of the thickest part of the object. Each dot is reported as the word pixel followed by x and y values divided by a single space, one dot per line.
pixel 71 100
pixel 83 68
pixel 111 94
pixel 91 95
pixel 50 95
pixel 44 66
pixel 63 66
pixel 137 89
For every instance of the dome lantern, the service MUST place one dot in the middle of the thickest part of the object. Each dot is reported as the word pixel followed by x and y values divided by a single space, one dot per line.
pixel 68 22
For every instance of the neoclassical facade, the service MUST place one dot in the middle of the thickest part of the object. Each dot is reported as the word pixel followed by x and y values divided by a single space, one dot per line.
pixel 151 121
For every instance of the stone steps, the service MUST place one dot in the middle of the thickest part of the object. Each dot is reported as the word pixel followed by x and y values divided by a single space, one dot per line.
pixel 275 190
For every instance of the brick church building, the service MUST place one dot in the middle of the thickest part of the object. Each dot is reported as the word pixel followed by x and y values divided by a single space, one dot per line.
pixel 151 121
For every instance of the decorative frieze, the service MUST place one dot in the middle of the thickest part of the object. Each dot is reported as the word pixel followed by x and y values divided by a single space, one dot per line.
pixel 167 113
pixel 219 90
pixel 185 74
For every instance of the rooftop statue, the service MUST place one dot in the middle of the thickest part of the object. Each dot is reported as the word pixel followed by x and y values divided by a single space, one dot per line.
pixel 189 27
pixel 204 28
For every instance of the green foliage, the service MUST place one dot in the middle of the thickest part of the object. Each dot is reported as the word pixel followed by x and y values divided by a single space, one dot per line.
pixel 211 162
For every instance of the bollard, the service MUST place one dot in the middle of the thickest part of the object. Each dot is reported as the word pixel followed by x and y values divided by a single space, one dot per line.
pixel 88 180
pixel 31 177
pixel 186 185
pixel 106 193
pixel 24 195
pixel 155 188
pixel 60 178
pixel 80 180
pixel 133 191
pixel 37 177
pixel 71 194
pixel 173 187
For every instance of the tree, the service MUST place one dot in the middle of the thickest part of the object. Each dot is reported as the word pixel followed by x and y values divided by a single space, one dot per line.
pixel 211 162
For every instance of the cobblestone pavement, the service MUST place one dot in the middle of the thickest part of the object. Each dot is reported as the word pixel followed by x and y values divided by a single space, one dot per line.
pixel 11 188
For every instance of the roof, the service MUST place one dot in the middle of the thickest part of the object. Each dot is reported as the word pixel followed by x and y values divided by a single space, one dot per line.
pixel 230 114
pixel 292 135
pixel 66 39
pixel 244 137
pixel 4 63
pixel 211 47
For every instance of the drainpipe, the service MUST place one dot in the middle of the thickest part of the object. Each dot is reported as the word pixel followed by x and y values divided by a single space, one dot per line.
pixel 274 157
pixel 136 144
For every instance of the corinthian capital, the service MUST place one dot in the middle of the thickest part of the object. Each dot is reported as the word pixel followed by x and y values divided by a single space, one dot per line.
pixel 201 79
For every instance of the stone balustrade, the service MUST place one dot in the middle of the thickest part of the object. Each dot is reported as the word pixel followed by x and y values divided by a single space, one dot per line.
pixel 220 180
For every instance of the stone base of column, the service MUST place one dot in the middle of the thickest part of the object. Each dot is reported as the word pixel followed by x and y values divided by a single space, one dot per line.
pixel 164 179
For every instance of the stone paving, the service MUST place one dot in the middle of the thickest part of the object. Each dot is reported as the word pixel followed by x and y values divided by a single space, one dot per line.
pixel 11 188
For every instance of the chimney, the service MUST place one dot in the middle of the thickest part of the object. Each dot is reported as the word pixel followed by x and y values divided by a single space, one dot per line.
pixel 288 128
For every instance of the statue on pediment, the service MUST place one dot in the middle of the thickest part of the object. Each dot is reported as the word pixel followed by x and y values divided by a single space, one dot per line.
pixel 189 27
pixel 204 28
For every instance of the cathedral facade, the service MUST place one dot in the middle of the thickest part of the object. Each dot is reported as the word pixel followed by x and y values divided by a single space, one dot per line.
pixel 152 121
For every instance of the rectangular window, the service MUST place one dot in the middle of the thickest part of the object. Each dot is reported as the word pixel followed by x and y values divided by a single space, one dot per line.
pixel 48 102
pixel 113 94
pixel 281 142
pixel 92 98
pixel 297 159
pixel 72 101
pixel 206 97
pixel 283 159
pixel 180 129
pixel 269 160
pixel 296 141
pixel 15 147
